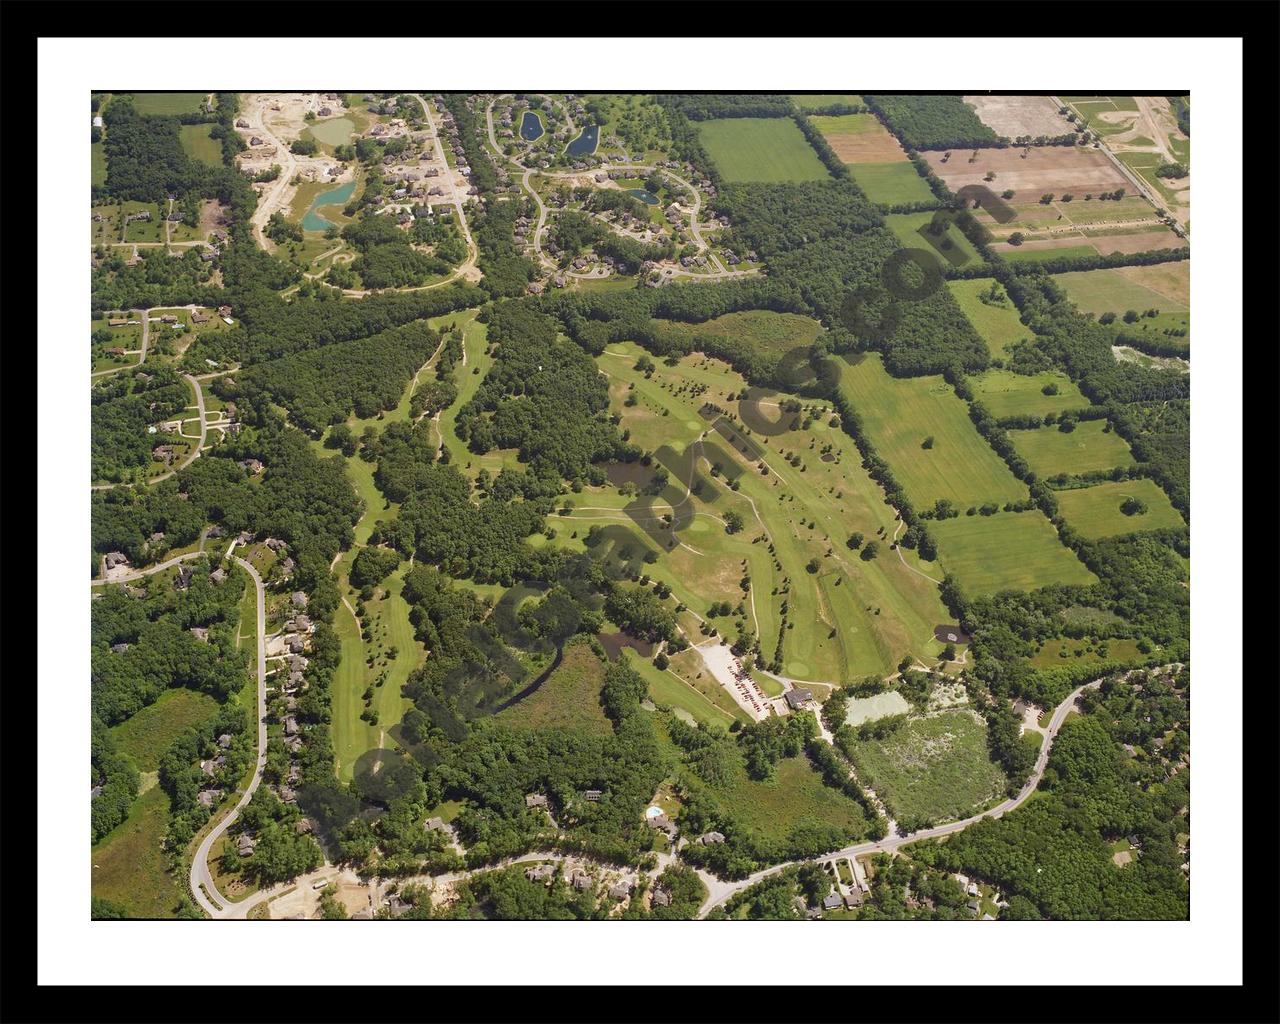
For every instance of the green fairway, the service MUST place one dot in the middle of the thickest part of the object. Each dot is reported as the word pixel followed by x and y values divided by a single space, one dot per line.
pixel 199 146
pixel 1090 446
pixel 931 770
pixel 148 734
pixel 569 699
pixel 817 101
pixel 997 322
pixel 891 183
pixel 1005 393
pixel 760 149
pixel 168 103
pixel 899 414
pixel 1095 511
pixel 951 245
pixel 1005 551
pixel 129 866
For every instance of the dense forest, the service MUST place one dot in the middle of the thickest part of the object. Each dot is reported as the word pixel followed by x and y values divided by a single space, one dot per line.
pixel 123 406
pixel 933 122
pixel 705 106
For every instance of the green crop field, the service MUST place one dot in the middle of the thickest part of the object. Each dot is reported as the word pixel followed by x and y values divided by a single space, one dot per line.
pixel 1090 446
pixel 899 414
pixel 128 865
pixel 199 146
pixel 998 324
pixel 1005 393
pixel 1095 511
pixel 1113 291
pixel 148 734
pixel 1006 551
pixel 1025 255
pixel 760 149
pixel 891 183
pixel 846 124
pixel 168 102
pixel 569 699
pixel 932 769
pixel 816 101
pixel 909 227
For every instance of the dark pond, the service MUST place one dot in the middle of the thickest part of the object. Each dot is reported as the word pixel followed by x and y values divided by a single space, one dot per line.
pixel 531 126
pixel 586 142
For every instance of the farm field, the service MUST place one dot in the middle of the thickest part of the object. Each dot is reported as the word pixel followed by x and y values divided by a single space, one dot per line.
pixel 998 324
pixel 1005 393
pixel 148 734
pixel 1015 116
pixel 569 699
pixel 128 865
pixel 168 103
pixel 760 149
pixel 1163 286
pixel 899 414
pixel 1055 169
pixel 1089 447
pixel 909 229
pixel 1006 551
pixel 1034 252
pixel 199 146
pixel 859 139
pixel 891 183
pixel 931 769
pixel 816 101
pixel 761 330
pixel 1095 511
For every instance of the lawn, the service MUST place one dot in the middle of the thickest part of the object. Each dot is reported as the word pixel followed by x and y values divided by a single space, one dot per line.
pixel 687 684
pixel 1095 511
pixel 1005 551
pixel 767 149
pixel 199 146
pixel 1089 447
pixel 1005 393
pixel 143 230
pixel 909 228
pixel 932 769
pixel 168 102
pixel 891 183
pixel 997 322
pixel 129 867
pixel 148 734
pixel 569 699
pixel 899 414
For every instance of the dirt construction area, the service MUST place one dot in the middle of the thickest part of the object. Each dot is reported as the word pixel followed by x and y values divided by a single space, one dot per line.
pixel 1055 169
pixel 1013 116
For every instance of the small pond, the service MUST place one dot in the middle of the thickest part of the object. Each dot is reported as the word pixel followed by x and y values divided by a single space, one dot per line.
pixel 312 221
pixel 586 142
pixel 531 127
pixel 644 195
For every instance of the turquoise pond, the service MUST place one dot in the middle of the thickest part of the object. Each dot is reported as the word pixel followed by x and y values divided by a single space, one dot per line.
pixel 586 142
pixel 334 197
pixel 531 126
pixel 643 195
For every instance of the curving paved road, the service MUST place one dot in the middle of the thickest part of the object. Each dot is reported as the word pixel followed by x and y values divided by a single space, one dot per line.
pixel 195 454
pixel 720 892
pixel 200 873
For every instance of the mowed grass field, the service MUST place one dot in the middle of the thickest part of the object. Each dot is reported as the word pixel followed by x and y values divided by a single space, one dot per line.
pixel 97 164
pixel 1095 511
pixel 199 146
pixel 688 684
pixel 1089 447
pixel 760 149
pixel 898 414
pixel 128 865
pixel 1005 393
pixel 998 324
pixel 1164 286
pixel 951 245
pixel 168 102
pixel 569 699
pixel 891 183
pixel 931 769
pixel 1005 551
pixel 147 735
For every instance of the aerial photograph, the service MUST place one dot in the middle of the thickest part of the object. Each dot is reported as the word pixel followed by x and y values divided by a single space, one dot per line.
pixel 638 506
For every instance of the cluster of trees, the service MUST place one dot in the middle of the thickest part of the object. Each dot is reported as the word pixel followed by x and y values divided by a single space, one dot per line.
pixel 373 565
pixel 706 106
pixel 640 612
pixel 934 122
pixel 325 385
pixel 123 406
pixel 507 271
pixel 576 232
pixel 158 280
pixel 280 230
pixel 116 775
pixel 1160 435
pixel 181 777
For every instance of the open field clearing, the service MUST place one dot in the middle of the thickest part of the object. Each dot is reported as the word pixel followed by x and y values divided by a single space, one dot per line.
pixel 817 101
pixel 168 103
pixel 199 146
pixel 128 865
pixel 1032 252
pixel 763 331
pixel 1089 447
pixel 1014 116
pixel 1095 511
pixel 860 139
pixel 997 323
pixel 1069 652
pixel 569 699
pixel 910 230
pixel 932 769
pixel 891 183
pixel 760 149
pixel 899 414
pixel 1054 169
pixel 1006 551
pixel 1164 286
pixel 1005 393
pixel 97 164
pixel 702 699
pixel 148 734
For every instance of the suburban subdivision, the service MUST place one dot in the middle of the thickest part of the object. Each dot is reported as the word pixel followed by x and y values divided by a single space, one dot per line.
pixel 640 506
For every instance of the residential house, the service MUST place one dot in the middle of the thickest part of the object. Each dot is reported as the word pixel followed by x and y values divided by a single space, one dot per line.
pixel 436 825
pixel 536 800
pixel 208 797
pixel 591 795
pixel 219 574
pixel 711 837
pixel 541 873
pixel 581 880
pixel 200 633
pixel 245 846
pixel 662 897
pixel 798 697
pixel 184 577
pixel 290 726
pixel 224 740
pixel 298 599
pixel 119 648
pixel 832 901
pixel 621 890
